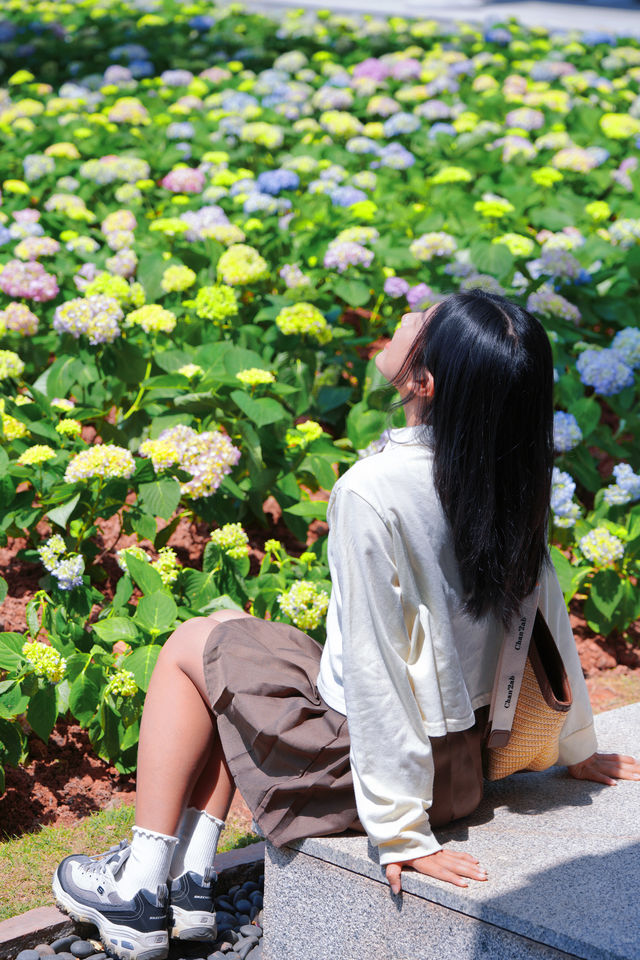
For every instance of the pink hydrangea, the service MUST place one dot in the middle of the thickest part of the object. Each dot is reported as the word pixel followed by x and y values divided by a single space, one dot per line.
pixel 184 180
pixel 28 281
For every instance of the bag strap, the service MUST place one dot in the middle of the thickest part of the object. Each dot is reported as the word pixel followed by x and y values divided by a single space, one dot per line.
pixel 513 656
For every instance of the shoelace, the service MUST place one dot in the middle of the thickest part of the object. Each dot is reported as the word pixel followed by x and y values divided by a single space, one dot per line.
pixel 104 863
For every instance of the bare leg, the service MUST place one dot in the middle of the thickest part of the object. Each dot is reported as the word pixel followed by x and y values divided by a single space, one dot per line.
pixel 179 757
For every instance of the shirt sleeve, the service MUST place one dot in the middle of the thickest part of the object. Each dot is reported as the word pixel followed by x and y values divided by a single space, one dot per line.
pixel 391 757
pixel 578 738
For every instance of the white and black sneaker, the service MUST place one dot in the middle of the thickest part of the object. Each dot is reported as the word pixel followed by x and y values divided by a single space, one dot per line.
pixel 136 929
pixel 192 913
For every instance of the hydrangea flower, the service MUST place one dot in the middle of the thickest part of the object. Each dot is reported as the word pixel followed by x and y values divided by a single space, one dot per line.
pixel 51 552
pixel 45 661
pixel 69 572
pixel 232 539
pixel 396 287
pixel 28 281
pixel 95 316
pixel 626 344
pixel 545 300
pixel 242 264
pixel 152 318
pixel 121 683
pixel 134 551
pixel 191 370
pixel 275 181
pixel 217 303
pixel 36 455
pixel 566 432
pixel 517 244
pixel 303 434
pixel 207 456
pixel 342 254
pixel 167 565
pixel 565 510
pixel 304 318
pixel 254 376
pixel 430 245
pixel 604 371
pixel 601 547
pixel 10 364
pixel 104 461
pixel 68 427
pixel 626 489
pixel 293 276
pixel 304 604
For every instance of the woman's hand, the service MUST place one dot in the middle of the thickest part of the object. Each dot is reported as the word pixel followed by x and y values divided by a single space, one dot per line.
pixel 602 767
pixel 449 865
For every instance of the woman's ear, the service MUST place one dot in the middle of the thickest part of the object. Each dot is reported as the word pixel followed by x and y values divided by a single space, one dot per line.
pixel 423 387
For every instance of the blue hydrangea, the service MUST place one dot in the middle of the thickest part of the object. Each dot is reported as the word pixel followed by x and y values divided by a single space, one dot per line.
pixel 345 196
pixel 604 371
pixel 5 235
pixel 260 203
pixel 566 432
pixel 181 130
pixel 395 156
pixel 437 128
pixel 401 123
pixel 626 344
pixel 626 488
pixel 273 181
pixel 563 487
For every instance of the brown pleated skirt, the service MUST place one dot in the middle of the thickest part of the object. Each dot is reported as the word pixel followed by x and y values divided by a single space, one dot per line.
pixel 288 751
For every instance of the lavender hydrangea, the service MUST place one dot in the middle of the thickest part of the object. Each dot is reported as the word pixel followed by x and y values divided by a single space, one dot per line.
pixel 626 344
pixel 344 253
pixel 396 287
pixel 604 371
pixel 565 510
pixel 346 196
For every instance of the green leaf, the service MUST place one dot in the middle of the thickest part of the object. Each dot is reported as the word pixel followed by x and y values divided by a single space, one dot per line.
pixel 124 589
pixel 11 657
pixel 262 412
pixel 200 588
pixel 84 697
pixel 61 514
pixel 116 628
pixel 321 469
pixel 354 292
pixel 365 425
pixel 492 258
pixel 144 525
pixel 160 498
pixel 141 571
pixel 316 509
pixel 587 413
pixel 141 663
pixel 10 743
pixel 43 712
pixel 4 588
pixel 633 262
pixel 157 612
pixel 606 593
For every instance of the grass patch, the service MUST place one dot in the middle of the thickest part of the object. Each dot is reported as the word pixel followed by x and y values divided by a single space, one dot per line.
pixel 27 863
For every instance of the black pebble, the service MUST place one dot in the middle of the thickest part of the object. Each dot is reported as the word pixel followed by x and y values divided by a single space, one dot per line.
pixel 63 943
pixel 28 955
pixel 233 889
pixel 82 949
pixel 243 949
pixel 223 903
pixel 248 930
pixel 241 904
pixel 243 918
pixel 43 949
pixel 99 956
pixel 250 886
pixel 256 897
pixel 64 955
pixel 225 918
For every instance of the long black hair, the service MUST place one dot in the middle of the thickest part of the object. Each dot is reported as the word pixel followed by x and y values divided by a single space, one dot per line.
pixel 491 416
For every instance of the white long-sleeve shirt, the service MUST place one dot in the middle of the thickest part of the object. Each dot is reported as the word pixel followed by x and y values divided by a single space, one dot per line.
pixel 402 661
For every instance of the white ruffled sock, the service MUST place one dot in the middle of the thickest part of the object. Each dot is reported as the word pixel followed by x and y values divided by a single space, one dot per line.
pixel 148 863
pixel 199 833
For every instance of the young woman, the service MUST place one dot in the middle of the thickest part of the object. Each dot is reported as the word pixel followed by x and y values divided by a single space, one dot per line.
pixel 433 544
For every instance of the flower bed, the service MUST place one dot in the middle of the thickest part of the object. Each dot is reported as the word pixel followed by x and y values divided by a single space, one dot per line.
pixel 208 219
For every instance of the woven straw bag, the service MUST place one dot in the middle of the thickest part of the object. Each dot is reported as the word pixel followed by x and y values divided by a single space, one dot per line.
pixel 540 712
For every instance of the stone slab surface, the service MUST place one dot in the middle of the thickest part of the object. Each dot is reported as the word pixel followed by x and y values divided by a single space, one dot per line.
pixel 563 858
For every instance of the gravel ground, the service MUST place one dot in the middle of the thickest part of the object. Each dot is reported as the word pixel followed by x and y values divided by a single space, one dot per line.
pixel 239 915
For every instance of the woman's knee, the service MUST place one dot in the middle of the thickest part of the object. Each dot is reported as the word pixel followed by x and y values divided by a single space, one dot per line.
pixel 186 644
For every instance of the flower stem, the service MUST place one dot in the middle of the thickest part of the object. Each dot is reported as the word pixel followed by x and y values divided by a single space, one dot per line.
pixel 136 403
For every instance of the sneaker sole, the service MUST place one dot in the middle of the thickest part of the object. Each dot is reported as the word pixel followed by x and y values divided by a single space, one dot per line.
pixel 192 925
pixel 118 941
